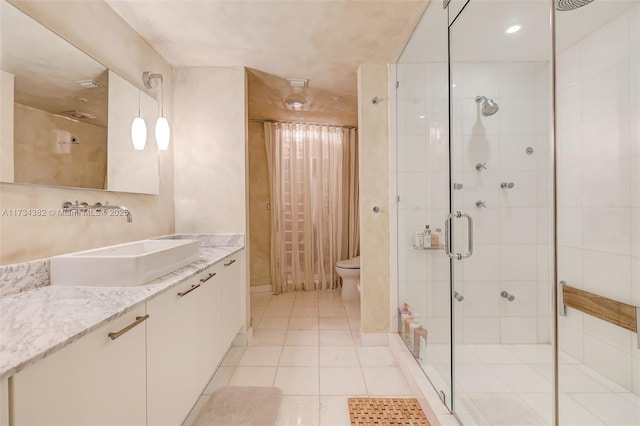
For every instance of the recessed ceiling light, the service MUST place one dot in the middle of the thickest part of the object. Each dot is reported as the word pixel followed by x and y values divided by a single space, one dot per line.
pixel 295 101
pixel 513 29
pixel 421 116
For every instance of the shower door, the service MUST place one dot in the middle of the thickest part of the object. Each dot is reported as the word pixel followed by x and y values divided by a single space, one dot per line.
pixel 499 63
pixel 424 282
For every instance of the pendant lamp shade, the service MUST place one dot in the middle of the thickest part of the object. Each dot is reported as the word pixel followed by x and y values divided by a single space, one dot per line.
pixel 163 133
pixel 138 133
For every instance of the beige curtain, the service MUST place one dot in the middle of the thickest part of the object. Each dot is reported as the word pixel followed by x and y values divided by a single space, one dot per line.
pixel 313 179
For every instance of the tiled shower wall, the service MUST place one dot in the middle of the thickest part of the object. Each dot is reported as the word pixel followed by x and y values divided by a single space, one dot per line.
pixel 599 191
pixel 511 233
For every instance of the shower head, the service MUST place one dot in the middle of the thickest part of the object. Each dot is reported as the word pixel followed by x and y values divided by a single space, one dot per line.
pixel 488 106
pixel 565 5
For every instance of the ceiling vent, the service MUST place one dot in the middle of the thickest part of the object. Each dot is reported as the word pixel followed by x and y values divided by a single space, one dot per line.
pixel 298 82
pixel 78 114
pixel 88 84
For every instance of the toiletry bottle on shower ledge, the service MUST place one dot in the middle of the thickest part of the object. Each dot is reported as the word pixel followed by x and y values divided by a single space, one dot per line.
pixel 418 241
pixel 427 237
pixel 419 336
pixel 403 314
pixel 412 328
pixel 435 238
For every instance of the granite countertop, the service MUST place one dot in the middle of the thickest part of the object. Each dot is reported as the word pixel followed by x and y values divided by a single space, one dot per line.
pixel 39 322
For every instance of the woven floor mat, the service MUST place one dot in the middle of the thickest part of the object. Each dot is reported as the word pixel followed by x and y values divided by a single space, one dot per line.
pixel 386 411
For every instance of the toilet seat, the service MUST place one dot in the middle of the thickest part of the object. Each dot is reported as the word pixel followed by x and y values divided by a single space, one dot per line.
pixel 353 263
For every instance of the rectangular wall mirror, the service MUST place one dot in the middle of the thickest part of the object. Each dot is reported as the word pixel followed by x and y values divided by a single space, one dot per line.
pixel 65 119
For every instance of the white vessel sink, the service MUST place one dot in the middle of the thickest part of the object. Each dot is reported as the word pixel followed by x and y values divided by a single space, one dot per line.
pixel 123 265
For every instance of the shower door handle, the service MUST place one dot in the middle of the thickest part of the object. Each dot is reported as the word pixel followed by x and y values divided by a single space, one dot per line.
pixel 447 247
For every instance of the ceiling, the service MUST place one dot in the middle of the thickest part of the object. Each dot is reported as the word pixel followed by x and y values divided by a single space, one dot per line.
pixel 323 40
pixel 478 34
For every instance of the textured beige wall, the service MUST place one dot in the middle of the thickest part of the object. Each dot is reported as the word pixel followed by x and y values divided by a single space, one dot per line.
pixel 6 126
pixel 44 154
pixel 96 29
pixel 210 129
pixel 259 216
pixel 373 130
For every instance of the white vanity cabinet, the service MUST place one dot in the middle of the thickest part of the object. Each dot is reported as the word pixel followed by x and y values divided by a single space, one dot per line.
pixel 232 297
pixel 96 380
pixel 171 354
pixel 208 325
pixel 150 370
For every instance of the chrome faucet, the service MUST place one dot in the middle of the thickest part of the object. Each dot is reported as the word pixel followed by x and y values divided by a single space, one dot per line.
pixel 97 207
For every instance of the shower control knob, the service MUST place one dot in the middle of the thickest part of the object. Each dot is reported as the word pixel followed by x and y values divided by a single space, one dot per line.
pixel 481 203
pixel 510 297
pixel 458 296
pixel 507 185
pixel 481 166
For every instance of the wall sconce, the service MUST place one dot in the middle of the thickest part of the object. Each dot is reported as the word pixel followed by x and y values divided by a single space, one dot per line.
pixel 163 131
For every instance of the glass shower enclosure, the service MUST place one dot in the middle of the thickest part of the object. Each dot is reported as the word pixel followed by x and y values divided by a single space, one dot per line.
pixel 482 183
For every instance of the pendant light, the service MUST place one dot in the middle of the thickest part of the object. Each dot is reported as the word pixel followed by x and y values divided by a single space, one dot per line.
pixel 138 130
pixel 163 131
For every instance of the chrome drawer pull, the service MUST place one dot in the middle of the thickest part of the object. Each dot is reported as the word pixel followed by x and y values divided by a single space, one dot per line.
pixel 184 293
pixel 114 336
pixel 211 275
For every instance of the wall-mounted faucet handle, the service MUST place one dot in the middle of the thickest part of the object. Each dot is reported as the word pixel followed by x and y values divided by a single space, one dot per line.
pixel 510 297
pixel 458 296
pixel 481 203
pixel 481 166
pixel 507 185
pixel 457 186
pixel 67 205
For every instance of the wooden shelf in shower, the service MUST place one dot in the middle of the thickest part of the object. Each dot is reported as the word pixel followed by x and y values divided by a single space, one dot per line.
pixel 606 309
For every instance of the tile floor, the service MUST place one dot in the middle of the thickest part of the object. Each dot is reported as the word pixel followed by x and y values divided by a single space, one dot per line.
pixel 510 385
pixel 308 345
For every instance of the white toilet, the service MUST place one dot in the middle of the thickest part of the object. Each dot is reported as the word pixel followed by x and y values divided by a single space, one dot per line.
pixel 349 271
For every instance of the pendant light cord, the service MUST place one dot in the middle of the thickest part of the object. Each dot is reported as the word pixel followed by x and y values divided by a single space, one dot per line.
pixel 161 97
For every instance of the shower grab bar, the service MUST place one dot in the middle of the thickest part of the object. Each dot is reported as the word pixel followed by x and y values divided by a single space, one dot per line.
pixel 618 313
pixel 447 247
